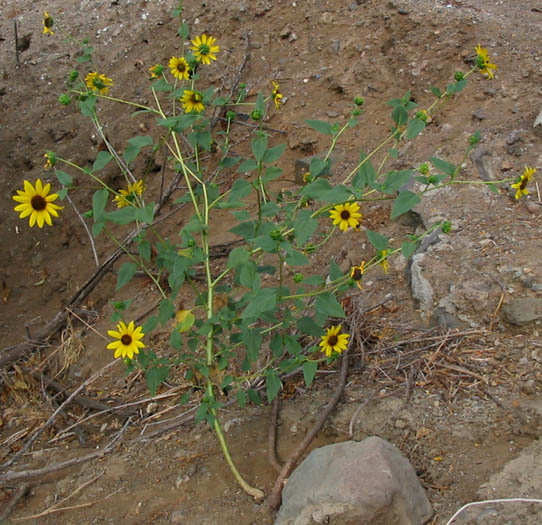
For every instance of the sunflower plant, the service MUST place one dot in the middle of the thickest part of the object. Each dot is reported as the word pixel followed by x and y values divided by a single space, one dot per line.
pixel 264 311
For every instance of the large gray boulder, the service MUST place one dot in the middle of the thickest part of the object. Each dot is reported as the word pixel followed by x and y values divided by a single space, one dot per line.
pixel 354 483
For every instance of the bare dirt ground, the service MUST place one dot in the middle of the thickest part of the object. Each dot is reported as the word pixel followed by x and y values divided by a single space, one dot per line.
pixel 459 407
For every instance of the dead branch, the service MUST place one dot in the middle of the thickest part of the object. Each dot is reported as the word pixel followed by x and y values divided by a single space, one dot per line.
pixel 272 436
pixel 276 496
pixel 53 416
pixel 20 493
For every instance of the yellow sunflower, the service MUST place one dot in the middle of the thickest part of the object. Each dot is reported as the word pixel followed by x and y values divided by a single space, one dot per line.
pixel 204 48
pixel 483 62
pixel 521 184
pixel 346 215
pixel 97 82
pixel 179 68
pixel 276 95
pixel 356 274
pixel 36 203
pixel 129 196
pixel 48 23
pixel 128 340
pixel 192 101
pixel 333 341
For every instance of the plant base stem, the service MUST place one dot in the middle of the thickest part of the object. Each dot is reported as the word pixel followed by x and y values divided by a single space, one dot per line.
pixel 254 492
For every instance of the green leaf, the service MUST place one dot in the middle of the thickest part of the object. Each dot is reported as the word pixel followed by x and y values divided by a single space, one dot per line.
pixel 380 242
pixel 334 271
pixel 144 249
pixel 146 214
pixel 155 376
pixel 321 190
pixel 263 301
pixel 308 326
pixel 253 343
pixel 270 209
pixel 248 275
pixel 176 339
pixel 200 139
pixel 150 324
pixel 444 166
pixel 259 146
pixel 241 188
pixel 399 115
pixel 395 180
pixel 247 165
pixel 241 398
pixel 319 167
pixel 271 173
pixel 88 105
pixel 309 371
pixel 229 162
pixel 304 227
pixel 295 258
pixel 436 91
pixel 134 147
pixel 273 154
pixel 64 178
pixel 408 248
pixel 405 201
pixel 327 304
pixel 166 311
pixel 124 215
pixel 321 126
pixel 414 127
pixel 493 187
pixel 254 397
pixel 102 160
pixel 99 200
pixel 366 174
pixel 292 344
pixel 183 30
pixel 238 256
pixel 179 123
pixel 201 413
pixel 126 272
pixel 272 386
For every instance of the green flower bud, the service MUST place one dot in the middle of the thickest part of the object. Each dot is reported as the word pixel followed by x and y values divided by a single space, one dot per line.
pixel 359 101
pixel 459 75
pixel 256 115
pixel 64 99
pixel 446 227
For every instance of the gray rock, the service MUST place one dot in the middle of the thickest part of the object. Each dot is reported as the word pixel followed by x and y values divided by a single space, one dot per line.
pixel 352 483
pixel 478 156
pixel 523 310
pixel 422 292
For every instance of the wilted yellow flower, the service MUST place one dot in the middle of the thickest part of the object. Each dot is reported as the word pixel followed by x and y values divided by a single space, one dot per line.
pixel 383 260
pixel 48 23
pixel 156 70
pixel 276 94
pixel 192 101
pixel 356 273
pixel 521 183
pixel 483 62
pixel 97 82
pixel 50 160
pixel 129 196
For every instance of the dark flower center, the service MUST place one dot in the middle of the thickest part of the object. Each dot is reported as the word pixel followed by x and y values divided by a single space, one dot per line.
pixel 196 98
pixel 523 183
pixel 126 339
pixel 38 203
pixel 181 67
pixel 48 22
pixel 357 275
pixel 204 49
pixel 345 215
pixel 332 340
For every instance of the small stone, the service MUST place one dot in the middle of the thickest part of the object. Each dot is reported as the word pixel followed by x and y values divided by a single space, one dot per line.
pixel 513 137
pixel 332 114
pixel 479 114
pixel 533 207
pixel 523 310
pixel 285 33
pixel 292 37
pixel 403 11
pixel 506 165
pixel 336 46
pixel 490 91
